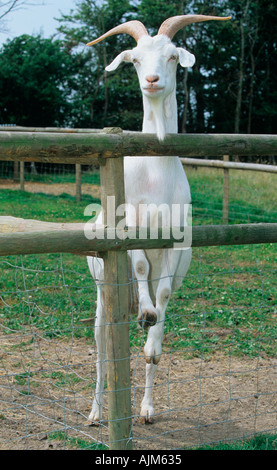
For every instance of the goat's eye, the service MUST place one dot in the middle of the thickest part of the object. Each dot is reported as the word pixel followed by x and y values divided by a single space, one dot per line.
pixel 172 57
pixel 135 61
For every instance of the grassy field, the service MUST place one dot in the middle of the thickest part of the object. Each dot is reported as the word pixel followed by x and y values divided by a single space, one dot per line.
pixel 227 298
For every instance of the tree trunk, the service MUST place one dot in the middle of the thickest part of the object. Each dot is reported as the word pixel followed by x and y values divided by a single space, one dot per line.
pixel 185 80
pixel 186 103
pixel 253 37
pixel 241 72
pixel 240 75
pixel 251 91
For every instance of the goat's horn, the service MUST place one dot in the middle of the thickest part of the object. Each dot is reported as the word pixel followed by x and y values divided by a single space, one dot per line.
pixel 172 25
pixel 134 28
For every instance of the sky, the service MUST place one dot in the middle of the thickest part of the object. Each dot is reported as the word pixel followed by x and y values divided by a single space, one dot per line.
pixel 37 17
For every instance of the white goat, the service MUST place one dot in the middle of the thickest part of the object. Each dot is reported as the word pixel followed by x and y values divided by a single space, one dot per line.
pixel 155 180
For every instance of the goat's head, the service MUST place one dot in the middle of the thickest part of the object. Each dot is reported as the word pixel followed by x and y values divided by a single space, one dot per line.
pixel 155 58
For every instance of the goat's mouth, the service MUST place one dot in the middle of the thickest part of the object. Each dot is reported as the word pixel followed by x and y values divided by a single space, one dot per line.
pixel 153 89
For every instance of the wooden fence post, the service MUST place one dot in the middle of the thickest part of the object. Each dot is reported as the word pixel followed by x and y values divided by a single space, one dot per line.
pixel 116 305
pixel 225 209
pixel 22 168
pixel 15 171
pixel 78 176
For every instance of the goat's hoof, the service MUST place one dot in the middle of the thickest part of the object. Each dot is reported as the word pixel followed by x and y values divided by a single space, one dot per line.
pixel 146 420
pixel 95 415
pixel 94 422
pixel 146 413
pixel 155 359
pixel 147 318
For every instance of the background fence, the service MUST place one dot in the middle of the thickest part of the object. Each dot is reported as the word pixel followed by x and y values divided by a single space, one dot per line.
pixel 76 178
pixel 217 376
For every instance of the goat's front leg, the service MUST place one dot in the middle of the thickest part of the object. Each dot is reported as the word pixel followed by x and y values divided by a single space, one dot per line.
pixel 169 264
pixel 148 314
pixel 100 338
pixel 153 350
pixel 174 264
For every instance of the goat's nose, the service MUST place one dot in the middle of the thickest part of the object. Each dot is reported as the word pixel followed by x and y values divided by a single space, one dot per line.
pixel 152 78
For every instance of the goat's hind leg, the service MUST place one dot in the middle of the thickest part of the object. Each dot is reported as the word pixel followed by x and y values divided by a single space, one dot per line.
pixel 175 265
pixel 100 338
pixel 96 268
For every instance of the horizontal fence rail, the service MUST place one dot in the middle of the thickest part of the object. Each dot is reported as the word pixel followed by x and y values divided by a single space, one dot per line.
pixel 16 237
pixel 59 130
pixel 85 147
pixel 229 165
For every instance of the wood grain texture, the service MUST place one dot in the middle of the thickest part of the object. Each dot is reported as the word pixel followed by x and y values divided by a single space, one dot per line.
pixel 84 148
pixel 19 236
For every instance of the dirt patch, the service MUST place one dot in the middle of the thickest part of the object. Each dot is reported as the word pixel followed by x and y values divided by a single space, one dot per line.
pixel 47 387
pixel 54 188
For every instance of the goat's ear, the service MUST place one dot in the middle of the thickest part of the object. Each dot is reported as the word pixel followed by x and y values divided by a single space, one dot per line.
pixel 124 56
pixel 186 59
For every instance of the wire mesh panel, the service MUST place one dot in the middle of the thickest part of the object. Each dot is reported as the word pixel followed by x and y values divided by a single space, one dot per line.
pixel 216 379
pixel 249 191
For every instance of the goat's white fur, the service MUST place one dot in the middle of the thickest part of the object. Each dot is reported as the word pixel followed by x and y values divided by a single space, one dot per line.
pixel 149 180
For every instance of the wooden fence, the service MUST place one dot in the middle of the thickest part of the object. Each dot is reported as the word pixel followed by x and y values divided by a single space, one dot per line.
pixel 79 147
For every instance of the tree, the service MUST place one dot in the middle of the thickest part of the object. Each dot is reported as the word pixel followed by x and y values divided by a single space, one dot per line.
pixel 241 59
pixel 230 88
pixel 264 113
pixel 8 6
pixel 102 99
pixel 113 99
pixel 34 75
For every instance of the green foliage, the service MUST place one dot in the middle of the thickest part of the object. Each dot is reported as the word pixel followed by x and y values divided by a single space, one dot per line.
pixel 230 88
pixel 152 13
pixel 33 76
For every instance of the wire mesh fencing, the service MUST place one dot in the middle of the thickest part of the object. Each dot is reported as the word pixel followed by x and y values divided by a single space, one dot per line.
pixel 249 192
pixel 216 379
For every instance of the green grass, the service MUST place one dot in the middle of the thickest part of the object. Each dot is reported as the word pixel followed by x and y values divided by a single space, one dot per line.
pixel 47 207
pixel 259 442
pixel 61 174
pixel 252 196
pixel 75 443
pixel 226 302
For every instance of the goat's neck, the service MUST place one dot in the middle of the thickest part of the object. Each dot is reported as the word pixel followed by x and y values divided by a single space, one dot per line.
pixel 160 115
